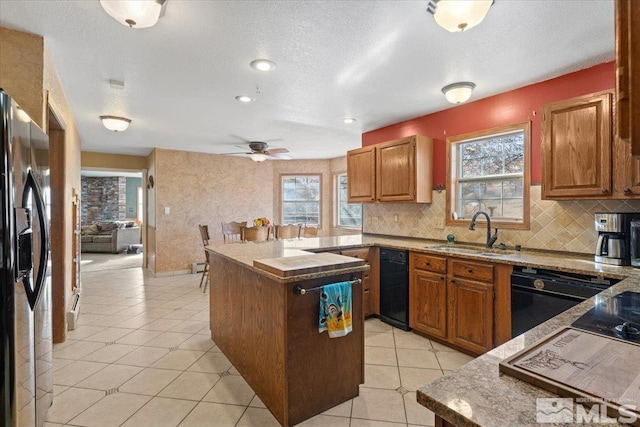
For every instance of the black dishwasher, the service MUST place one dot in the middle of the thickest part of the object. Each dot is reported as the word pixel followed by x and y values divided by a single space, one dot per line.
pixel 394 288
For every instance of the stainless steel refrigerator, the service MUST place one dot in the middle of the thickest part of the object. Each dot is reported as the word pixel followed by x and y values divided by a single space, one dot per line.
pixel 25 289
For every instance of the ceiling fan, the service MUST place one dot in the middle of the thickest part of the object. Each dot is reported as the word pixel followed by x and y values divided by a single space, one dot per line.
pixel 260 151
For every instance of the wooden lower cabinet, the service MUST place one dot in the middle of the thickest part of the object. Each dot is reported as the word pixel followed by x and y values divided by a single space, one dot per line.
pixel 428 296
pixel 369 287
pixel 460 301
pixel 470 312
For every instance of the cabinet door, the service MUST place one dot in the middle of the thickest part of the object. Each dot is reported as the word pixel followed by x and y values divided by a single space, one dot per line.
pixel 628 72
pixel 576 147
pixel 367 302
pixel 626 173
pixel 395 170
pixel 361 174
pixel 470 314
pixel 428 296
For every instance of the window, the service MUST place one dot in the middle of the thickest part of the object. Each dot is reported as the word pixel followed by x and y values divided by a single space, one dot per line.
pixel 301 196
pixel 347 214
pixel 489 171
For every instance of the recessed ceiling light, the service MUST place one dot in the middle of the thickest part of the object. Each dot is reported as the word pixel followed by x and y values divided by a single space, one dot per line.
pixel 349 120
pixel 263 65
pixel 244 99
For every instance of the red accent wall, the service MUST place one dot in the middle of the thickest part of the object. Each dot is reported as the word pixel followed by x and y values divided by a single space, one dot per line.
pixel 516 106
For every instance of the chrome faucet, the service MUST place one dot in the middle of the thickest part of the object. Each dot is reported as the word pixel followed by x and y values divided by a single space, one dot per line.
pixel 490 239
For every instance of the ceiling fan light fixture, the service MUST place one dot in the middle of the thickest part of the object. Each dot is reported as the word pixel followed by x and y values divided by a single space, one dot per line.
pixel 349 120
pixel 134 13
pixel 258 157
pixel 459 15
pixel 263 65
pixel 115 123
pixel 457 93
pixel 245 99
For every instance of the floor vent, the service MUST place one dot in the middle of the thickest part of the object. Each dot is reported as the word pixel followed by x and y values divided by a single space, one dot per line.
pixel 224 374
pixel 197 267
pixel 72 315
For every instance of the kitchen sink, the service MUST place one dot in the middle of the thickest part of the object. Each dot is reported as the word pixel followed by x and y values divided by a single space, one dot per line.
pixel 473 251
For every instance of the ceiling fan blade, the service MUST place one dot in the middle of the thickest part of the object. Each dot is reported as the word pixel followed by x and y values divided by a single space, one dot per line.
pixel 236 152
pixel 277 150
pixel 280 156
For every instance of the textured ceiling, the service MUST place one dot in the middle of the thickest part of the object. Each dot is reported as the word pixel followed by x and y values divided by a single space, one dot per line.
pixel 378 61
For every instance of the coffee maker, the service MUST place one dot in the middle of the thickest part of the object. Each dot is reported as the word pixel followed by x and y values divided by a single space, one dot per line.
pixel 614 237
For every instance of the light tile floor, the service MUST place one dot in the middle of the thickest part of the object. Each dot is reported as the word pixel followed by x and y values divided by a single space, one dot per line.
pixel 142 356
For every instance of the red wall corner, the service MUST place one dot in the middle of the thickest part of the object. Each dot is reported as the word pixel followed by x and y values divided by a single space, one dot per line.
pixel 516 106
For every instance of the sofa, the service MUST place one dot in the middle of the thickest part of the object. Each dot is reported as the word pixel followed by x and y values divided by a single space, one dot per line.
pixel 109 236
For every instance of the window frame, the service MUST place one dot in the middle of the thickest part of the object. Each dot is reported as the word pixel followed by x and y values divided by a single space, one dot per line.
pixel 336 203
pixel 452 176
pixel 320 195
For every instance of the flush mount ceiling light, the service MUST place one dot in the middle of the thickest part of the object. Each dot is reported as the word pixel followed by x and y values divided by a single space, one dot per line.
pixel 459 15
pixel 135 13
pixel 244 99
pixel 458 92
pixel 114 123
pixel 349 120
pixel 258 157
pixel 263 65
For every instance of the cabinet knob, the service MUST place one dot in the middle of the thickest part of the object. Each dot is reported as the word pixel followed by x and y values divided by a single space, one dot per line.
pixel 453 280
pixel 605 191
pixel 427 263
pixel 469 270
pixel 442 278
pixel 627 191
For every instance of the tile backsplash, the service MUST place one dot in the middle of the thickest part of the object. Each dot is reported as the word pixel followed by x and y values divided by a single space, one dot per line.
pixel 566 225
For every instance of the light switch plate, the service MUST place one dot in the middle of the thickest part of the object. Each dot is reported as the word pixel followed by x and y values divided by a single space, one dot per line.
pixel 167 210
pixel 439 224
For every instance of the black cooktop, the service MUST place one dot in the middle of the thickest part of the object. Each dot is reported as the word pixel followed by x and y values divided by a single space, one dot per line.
pixel 617 317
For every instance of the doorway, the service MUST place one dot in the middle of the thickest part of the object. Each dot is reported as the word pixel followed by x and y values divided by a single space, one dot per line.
pixel 112 215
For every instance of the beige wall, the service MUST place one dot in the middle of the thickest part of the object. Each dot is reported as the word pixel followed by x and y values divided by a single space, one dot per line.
pixel 121 162
pixel 555 225
pixel 209 189
pixel 21 71
pixel 150 242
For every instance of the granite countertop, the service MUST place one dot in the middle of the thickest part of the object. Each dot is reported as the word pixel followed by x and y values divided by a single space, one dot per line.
pixel 246 253
pixel 478 395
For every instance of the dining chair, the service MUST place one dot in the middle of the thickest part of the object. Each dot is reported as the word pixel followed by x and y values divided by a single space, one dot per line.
pixel 288 231
pixel 204 233
pixel 255 234
pixel 232 231
pixel 310 232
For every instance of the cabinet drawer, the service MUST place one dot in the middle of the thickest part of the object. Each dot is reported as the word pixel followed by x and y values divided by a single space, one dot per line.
pixel 362 253
pixel 429 263
pixel 472 270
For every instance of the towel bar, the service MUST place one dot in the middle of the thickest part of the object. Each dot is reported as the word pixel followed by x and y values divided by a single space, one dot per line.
pixel 299 290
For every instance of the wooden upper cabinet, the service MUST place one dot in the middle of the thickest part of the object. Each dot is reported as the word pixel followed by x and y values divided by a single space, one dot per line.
pixel 403 171
pixel 361 173
pixel 626 171
pixel 628 73
pixel 576 147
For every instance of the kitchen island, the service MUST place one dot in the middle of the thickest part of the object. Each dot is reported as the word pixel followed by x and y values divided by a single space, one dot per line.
pixel 268 328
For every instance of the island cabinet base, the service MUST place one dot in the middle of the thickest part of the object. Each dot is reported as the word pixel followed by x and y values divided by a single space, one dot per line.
pixel 271 336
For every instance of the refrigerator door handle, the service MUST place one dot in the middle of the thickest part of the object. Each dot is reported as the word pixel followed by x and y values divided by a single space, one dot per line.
pixel 33 294
pixel 24 249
